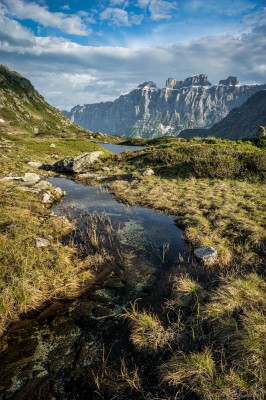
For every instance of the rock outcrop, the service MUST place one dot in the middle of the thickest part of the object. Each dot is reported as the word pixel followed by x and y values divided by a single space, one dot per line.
pixel 241 122
pixel 77 164
pixel 151 112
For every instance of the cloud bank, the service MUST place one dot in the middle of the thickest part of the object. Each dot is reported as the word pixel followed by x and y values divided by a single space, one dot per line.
pixel 67 73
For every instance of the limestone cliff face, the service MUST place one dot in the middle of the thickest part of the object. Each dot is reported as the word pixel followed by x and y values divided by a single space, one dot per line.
pixel 242 122
pixel 150 112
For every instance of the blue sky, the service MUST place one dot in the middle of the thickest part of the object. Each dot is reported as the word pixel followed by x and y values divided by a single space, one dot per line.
pixel 84 51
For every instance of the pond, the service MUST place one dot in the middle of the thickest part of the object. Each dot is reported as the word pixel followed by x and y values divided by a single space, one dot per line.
pixel 149 234
pixel 64 351
pixel 117 148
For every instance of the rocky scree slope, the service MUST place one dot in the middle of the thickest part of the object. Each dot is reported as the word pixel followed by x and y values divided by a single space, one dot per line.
pixel 24 110
pixel 152 112
pixel 242 122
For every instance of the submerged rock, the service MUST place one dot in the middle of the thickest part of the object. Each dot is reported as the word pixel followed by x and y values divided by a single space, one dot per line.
pixel 79 163
pixel 206 254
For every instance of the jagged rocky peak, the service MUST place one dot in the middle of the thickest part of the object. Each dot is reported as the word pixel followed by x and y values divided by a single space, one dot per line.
pixel 148 84
pixel 170 83
pixel 230 81
pixel 197 80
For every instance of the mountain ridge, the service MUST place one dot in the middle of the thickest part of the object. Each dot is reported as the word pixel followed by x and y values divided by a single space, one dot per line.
pixel 150 112
pixel 24 110
pixel 241 122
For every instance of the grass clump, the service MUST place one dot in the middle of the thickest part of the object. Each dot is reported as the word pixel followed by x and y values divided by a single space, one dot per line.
pixel 147 331
pixel 237 293
pixel 193 372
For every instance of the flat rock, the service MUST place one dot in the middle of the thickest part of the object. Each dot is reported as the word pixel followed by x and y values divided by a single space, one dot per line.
pixel 206 254
pixel 11 178
pixel 42 185
pixel 30 178
pixel 28 189
pixel 41 242
pixel 35 164
pixel 76 164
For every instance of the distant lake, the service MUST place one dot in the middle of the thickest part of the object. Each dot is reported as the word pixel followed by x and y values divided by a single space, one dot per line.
pixel 117 148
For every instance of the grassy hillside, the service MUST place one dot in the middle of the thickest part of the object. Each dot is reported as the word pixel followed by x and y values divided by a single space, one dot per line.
pixel 24 110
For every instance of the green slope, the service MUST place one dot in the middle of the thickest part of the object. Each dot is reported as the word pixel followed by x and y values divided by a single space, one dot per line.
pixel 24 110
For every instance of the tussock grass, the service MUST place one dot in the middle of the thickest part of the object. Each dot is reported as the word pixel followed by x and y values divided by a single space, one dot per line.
pixel 194 371
pixel 228 215
pixel 186 293
pixel 226 357
pixel 147 331
pixel 237 293
pixel 31 276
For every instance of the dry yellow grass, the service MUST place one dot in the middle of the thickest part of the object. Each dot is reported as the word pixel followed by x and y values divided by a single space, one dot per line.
pixel 229 215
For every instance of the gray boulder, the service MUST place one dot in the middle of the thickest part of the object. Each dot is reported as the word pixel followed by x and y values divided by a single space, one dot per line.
pixel 30 178
pixel 206 254
pixel 76 164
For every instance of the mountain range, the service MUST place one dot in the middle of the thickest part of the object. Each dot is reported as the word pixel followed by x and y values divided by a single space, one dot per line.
pixel 242 122
pixel 149 111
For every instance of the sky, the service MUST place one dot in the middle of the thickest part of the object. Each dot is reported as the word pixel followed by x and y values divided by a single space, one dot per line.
pixel 87 51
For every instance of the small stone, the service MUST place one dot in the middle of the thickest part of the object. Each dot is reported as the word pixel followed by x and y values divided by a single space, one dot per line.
pixel 35 164
pixel 52 145
pixel 30 178
pixel 59 192
pixel 106 169
pixel 43 185
pixel 148 172
pixel 206 254
pixel 47 198
pixel 41 242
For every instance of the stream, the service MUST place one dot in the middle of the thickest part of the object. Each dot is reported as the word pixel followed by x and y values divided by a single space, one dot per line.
pixel 60 354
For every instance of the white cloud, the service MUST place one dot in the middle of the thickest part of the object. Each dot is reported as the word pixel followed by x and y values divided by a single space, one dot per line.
pixel 159 9
pixel 67 73
pixel 117 3
pixel 65 7
pixel 69 23
pixel 226 7
pixel 115 16
pixel 120 17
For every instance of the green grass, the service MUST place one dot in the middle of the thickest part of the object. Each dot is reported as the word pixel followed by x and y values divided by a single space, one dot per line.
pixel 226 214
pixel 31 276
pixel 26 149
